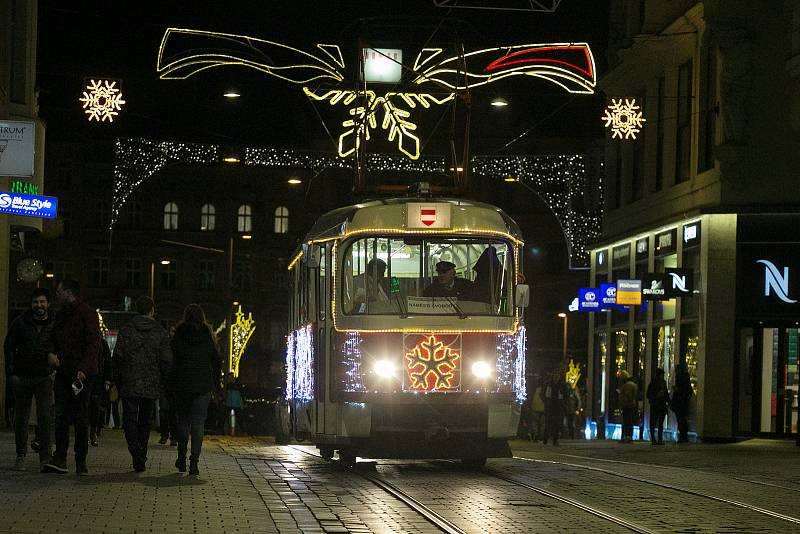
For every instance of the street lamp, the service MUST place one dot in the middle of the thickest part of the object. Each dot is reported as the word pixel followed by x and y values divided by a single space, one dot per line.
pixel 564 316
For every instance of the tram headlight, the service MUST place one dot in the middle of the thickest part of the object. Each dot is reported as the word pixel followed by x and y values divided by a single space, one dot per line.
pixel 384 368
pixel 481 369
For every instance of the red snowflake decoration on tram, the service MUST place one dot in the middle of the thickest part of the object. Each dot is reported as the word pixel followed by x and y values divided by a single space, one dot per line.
pixel 432 364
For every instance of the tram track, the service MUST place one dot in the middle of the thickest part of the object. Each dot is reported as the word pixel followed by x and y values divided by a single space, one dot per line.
pixel 446 526
pixel 697 493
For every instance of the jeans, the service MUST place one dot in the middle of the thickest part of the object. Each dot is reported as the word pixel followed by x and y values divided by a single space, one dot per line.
pixel 657 423
pixel 137 413
pixel 71 409
pixel 168 417
pixel 25 389
pixel 628 417
pixel 192 412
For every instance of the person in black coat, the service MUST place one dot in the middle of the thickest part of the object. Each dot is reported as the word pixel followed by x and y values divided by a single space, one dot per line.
pixel 658 397
pixel 681 395
pixel 195 375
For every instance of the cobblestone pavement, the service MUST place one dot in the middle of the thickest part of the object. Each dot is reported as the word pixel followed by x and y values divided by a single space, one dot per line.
pixel 250 485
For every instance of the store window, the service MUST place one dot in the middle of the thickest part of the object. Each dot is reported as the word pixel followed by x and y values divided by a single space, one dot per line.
pixel 619 363
pixel 665 257
pixel 601 356
pixel 621 258
pixel 690 304
pixel 690 337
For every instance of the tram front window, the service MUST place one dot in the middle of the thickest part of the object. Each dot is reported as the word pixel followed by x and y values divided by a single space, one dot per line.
pixel 416 275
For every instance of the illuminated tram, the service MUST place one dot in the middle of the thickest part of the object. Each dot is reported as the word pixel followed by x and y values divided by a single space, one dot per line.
pixel 390 355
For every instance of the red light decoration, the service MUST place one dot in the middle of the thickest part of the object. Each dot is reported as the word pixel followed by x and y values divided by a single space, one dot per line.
pixel 573 57
pixel 433 363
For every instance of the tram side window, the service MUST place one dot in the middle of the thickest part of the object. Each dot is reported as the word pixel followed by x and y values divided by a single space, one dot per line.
pixel 430 276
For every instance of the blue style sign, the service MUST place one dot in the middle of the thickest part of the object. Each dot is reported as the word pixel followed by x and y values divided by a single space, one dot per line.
pixel 588 299
pixel 28 205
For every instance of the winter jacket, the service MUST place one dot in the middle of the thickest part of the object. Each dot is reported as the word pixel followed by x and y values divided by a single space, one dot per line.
pixel 628 394
pixel 25 346
pixel 681 393
pixel 196 365
pixel 76 339
pixel 658 396
pixel 142 358
pixel 537 404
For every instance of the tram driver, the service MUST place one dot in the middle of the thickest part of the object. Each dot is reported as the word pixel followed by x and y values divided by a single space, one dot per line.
pixel 447 284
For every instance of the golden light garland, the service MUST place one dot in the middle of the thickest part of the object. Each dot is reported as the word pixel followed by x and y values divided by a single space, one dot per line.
pixel 623 118
pixel 102 100
pixel 240 333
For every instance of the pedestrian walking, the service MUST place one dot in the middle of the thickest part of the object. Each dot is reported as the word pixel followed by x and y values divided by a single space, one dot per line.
pixel 196 372
pixel 658 397
pixel 554 397
pixel 629 402
pixel 572 409
pixel 142 359
pixel 167 419
pixel 537 415
pixel 98 401
pixel 234 402
pixel 75 346
pixel 681 395
pixel 112 419
pixel 30 370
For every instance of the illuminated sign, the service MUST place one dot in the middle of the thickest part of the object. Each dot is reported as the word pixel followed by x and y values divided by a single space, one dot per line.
pixel 429 215
pixel 26 188
pixel 623 118
pixel 588 299
pixel 102 100
pixel 28 205
pixel 17 141
pixel 383 65
pixel 432 362
pixel 654 287
pixel 608 295
pixel 679 282
pixel 629 292
pixel 184 53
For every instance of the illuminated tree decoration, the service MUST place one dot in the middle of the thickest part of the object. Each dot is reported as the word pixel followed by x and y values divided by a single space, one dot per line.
pixel 623 118
pixel 102 100
pixel 573 374
pixel 185 52
pixel 432 363
pixel 241 330
pixel 300 364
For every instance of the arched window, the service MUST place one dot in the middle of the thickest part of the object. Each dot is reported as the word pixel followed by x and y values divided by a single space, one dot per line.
pixel 245 218
pixel 170 216
pixel 281 220
pixel 208 218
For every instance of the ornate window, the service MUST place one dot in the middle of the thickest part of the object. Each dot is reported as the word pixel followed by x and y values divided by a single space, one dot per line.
pixel 281 220
pixel 170 216
pixel 244 220
pixel 208 218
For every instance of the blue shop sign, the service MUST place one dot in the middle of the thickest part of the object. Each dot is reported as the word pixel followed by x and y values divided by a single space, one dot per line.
pixel 28 205
pixel 588 299
pixel 608 295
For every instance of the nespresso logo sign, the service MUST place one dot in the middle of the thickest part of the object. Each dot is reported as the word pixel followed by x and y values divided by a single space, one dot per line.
pixel 776 282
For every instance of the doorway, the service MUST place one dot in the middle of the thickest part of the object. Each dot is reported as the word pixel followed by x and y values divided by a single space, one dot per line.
pixel 768 380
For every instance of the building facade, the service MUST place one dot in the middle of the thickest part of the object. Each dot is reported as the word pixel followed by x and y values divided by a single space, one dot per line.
pixel 707 186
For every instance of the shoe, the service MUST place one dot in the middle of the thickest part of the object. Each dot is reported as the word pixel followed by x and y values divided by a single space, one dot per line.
pixel 139 464
pixel 93 441
pixel 35 445
pixel 193 470
pixel 162 441
pixel 19 463
pixel 55 466
pixel 180 464
pixel 80 469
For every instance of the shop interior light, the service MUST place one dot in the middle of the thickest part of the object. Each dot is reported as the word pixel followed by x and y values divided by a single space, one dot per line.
pixel 50 275
pixel 510 179
pixel 247 236
pixel 165 262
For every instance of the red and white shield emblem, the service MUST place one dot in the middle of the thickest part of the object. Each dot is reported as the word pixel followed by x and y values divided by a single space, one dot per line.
pixel 427 216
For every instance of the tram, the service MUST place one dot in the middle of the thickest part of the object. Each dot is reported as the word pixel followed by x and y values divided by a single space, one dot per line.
pixel 406 339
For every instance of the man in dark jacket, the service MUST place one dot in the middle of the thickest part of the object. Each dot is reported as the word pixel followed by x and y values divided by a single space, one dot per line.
pixel 142 358
pixel 30 375
pixel 681 395
pixel 75 346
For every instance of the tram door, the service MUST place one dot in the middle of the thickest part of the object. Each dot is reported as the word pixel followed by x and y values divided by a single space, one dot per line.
pixel 768 380
pixel 325 417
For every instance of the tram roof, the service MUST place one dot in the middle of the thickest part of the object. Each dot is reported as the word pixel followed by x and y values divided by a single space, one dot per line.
pixel 389 213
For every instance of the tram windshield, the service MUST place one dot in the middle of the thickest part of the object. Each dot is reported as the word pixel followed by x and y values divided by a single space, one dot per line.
pixel 427 275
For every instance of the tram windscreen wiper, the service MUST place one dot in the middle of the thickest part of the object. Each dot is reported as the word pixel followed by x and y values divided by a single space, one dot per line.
pixel 456 307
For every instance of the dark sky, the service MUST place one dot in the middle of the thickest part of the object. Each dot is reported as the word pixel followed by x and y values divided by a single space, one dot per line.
pixel 80 40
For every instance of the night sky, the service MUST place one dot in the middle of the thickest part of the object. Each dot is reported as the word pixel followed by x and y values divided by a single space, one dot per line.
pixel 80 40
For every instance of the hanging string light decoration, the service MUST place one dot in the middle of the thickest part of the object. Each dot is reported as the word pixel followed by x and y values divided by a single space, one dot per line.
pixel 352 360
pixel 102 100
pixel 506 350
pixel 623 118
pixel 241 331
pixel 520 387
pixel 300 364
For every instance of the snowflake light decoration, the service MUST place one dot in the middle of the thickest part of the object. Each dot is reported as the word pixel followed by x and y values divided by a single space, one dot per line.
pixel 433 365
pixel 623 118
pixel 102 100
